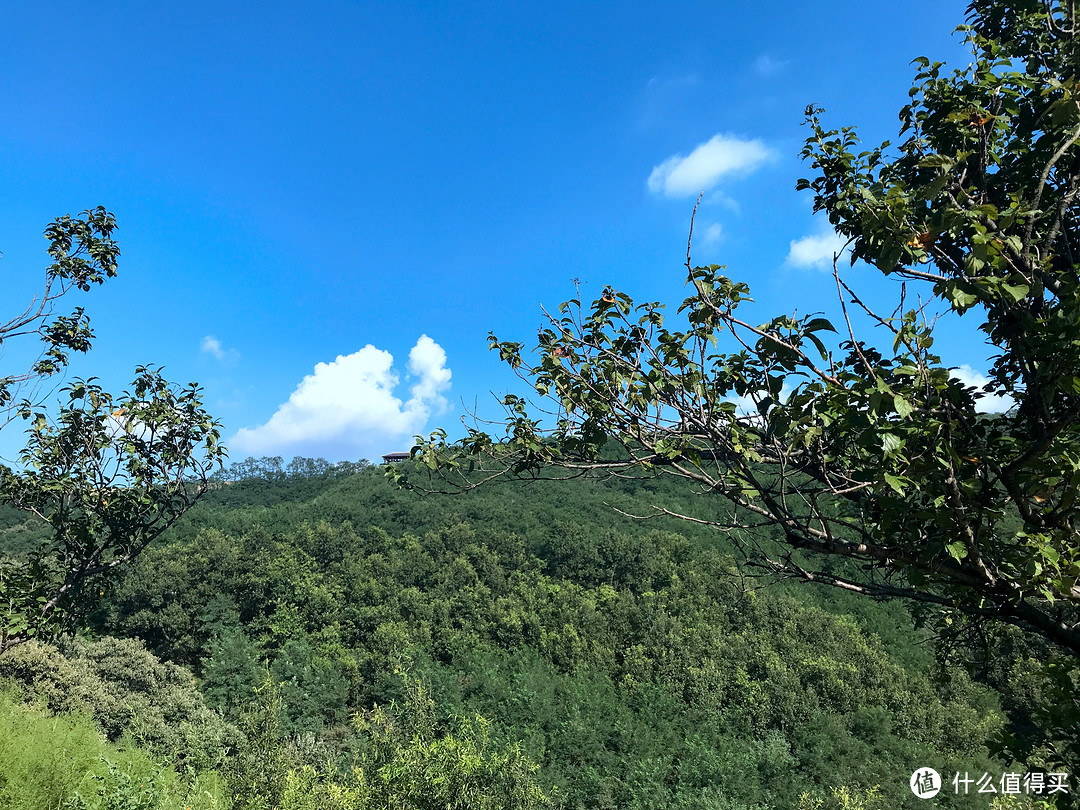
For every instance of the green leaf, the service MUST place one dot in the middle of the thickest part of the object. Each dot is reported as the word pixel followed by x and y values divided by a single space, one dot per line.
pixel 935 161
pixel 896 482
pixel 891 444
pixel 1017 292
pixel 957 550
pixel 819 325
pixel 818 344
pixel 961 299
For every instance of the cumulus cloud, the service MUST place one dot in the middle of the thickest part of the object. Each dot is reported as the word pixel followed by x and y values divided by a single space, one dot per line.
pixel 427 361
pixel 211 345
pixel 816 250
pixel 347 409
pixel 988 403
pixel 688 175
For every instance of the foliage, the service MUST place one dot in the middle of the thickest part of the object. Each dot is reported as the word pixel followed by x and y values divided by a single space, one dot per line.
pixel 129 693
pixel 83 253
pixel 20 532
pixel 108 474
pixel 299 468
pixel 622 658
pixel 409 763
pixel 61 761
pixel 407 760
pixel 851 449
pixel 231 673
pixel 1021 803
pixel 844 798
pixel 314 689
pixel 257 771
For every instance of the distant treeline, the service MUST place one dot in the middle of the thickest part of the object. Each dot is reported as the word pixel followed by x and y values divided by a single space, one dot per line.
pixel 274 468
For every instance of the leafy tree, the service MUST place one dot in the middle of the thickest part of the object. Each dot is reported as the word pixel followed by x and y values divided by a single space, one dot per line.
pixel 843 798
pixel 257 771
pixel 313 690
pixel 859 449
pixel 410 762
pixel 83 253
pixel 107 474
pixel 231 673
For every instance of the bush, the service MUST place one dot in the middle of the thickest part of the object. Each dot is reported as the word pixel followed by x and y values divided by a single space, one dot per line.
pixel 62 761
pixel 129 693
pixel 406 760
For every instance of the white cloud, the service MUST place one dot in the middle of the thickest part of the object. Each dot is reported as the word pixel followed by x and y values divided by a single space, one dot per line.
pixel 427 360
pixel 211 345
pixel 988 403
pixel 712 233
pixel 347 408
pixel 816 250
pixel 689 175
pixel 719 198
pixel 766 66
pixel 662 84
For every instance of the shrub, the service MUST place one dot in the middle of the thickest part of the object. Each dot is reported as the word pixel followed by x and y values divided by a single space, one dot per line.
pixel 129 693
pixel 63 761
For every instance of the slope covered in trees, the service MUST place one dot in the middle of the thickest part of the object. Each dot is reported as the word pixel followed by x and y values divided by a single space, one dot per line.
pixel 628 660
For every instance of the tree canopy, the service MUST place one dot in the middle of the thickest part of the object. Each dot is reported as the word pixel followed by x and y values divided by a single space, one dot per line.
pixel 863 446
pixel 615 653
pixel 83 253
pixel 107 474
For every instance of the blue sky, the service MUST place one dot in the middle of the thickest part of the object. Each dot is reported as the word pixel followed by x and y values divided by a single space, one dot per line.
pixel 315 200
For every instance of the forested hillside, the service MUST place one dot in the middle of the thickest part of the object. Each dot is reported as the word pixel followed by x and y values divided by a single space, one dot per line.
pixel 314 635
pixel 830 561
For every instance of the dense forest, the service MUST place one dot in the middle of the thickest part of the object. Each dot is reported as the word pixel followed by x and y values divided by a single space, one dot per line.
pixel 310 636
pixel 651 626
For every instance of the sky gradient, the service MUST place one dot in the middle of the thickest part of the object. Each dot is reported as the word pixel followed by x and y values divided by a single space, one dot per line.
pixel 324 208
